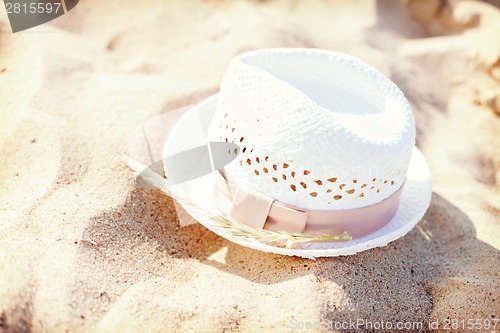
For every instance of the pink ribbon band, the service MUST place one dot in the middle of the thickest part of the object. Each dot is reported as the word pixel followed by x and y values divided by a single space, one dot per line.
pixel 260 211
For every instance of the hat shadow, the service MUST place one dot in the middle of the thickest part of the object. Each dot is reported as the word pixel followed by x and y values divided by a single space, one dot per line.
pixel 442 248
pixel 441 258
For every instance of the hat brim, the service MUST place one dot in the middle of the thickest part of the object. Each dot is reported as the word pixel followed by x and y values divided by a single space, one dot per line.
pixel 191 131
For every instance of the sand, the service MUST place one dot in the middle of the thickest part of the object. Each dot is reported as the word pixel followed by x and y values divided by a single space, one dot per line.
pixel 83 248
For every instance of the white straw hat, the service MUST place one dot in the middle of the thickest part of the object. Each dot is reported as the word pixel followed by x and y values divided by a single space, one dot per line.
pixel 319 134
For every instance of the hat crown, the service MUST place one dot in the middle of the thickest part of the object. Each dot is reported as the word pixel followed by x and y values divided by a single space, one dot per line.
pixel 316 129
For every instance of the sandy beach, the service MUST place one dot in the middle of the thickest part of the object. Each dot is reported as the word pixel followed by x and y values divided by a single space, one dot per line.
pixel 84 248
